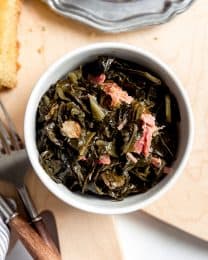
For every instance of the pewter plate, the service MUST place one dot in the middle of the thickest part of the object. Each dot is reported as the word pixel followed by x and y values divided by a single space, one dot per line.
pixel 116 16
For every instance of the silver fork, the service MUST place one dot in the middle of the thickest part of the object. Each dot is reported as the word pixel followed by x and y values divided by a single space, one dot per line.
pixel 14 164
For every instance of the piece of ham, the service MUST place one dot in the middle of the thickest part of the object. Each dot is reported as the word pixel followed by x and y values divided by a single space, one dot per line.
pixel 104 159
pixel 157 162
pixel 122 124
pixel 148 119
pixel 139 144
pixel 143 144
pixel 116 93
pixel 131 157
pixel 97 79
pixel 148 140
pixel 71 129
pixel 82 158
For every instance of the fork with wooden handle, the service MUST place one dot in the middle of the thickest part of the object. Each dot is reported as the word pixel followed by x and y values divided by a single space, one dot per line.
pixel 31 240
pixel 14 164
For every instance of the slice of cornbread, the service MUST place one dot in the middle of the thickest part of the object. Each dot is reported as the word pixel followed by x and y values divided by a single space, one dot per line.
pixel 9 14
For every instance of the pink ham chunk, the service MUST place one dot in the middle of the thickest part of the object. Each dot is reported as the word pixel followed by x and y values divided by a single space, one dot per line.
pixel 157 162
pixel 143 144
pixel 97 79
pixel 82 158
pixel 139 144
pixel 122 124
pixel 117 94
pixel 148 119
pixel 131 157
pixel 104 159
pixel 148 141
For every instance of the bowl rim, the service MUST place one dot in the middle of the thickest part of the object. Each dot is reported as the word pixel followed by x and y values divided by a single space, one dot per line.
pixel 30 143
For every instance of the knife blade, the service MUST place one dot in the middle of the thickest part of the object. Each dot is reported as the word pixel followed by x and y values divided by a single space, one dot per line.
pixel 50 222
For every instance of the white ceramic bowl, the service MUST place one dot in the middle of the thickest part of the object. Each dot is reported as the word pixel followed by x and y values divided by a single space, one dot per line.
pixel 68 63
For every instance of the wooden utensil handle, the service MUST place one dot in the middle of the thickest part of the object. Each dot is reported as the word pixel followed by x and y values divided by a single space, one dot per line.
pixel 37 220
pixel 43 232
pixel 32 241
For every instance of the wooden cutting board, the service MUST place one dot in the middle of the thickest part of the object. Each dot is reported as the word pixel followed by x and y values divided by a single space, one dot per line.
pixel 82 235
pixel 182 44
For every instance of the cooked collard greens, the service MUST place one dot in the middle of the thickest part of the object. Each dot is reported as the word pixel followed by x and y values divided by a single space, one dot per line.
pixel 108 128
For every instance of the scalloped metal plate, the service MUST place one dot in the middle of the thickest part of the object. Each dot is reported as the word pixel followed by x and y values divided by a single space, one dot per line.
pixel 116 16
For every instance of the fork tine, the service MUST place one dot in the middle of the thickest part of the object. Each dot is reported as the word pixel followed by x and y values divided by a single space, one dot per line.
pixel 5 138
pixel 16 140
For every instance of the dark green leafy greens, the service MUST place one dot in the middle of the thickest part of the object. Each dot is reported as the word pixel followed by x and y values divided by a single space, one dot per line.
pixel 108 128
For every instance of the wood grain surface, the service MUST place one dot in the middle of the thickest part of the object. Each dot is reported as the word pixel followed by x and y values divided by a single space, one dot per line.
pixel 183 45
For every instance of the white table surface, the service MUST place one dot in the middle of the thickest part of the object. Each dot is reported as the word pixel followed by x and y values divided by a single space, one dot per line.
pixel 145 238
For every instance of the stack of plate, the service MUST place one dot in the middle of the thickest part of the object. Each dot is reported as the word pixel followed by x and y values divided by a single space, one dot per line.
pixel 4 239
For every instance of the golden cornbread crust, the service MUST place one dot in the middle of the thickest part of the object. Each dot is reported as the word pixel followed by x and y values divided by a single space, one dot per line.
pixel 9 16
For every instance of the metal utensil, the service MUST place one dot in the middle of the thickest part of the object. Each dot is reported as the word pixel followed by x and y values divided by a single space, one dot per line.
pixel 50 222
pixel 19 251
pixel 31 240
pixel 13 167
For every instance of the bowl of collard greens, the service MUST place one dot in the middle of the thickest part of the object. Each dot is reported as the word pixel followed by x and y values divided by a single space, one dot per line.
pixel 108 128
